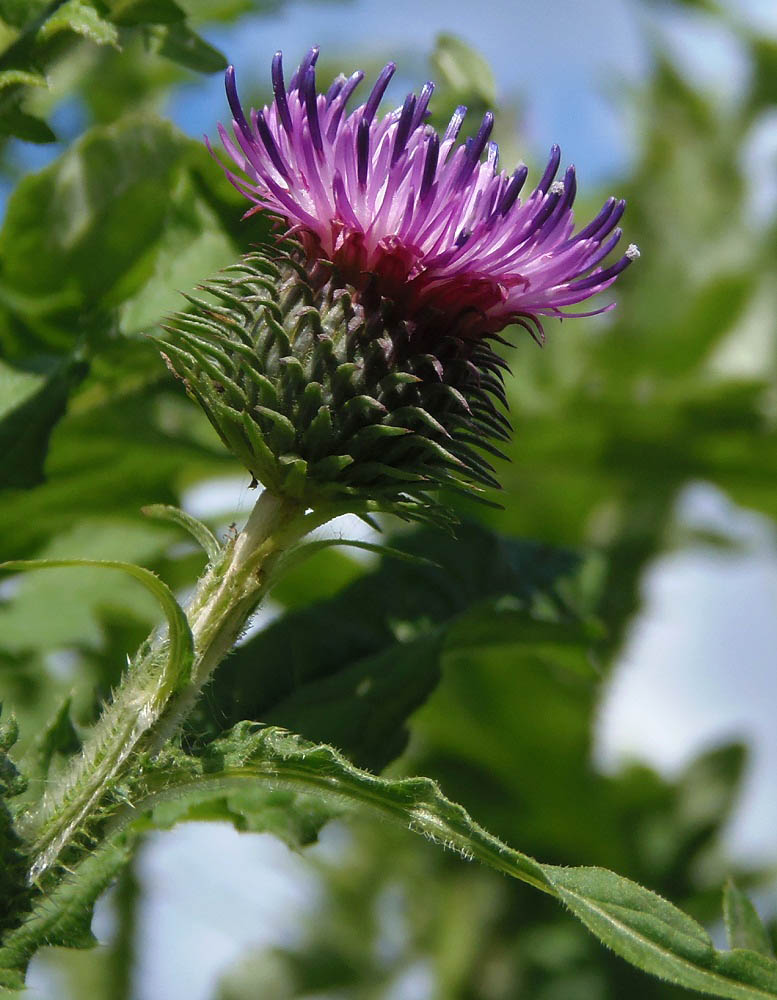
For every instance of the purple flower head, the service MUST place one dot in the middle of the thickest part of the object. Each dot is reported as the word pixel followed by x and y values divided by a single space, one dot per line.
pixel 427 220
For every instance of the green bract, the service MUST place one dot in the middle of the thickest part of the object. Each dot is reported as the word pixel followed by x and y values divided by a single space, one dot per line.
pixel 327 393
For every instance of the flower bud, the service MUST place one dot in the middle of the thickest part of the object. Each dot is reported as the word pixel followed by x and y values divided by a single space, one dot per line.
pixel 326 392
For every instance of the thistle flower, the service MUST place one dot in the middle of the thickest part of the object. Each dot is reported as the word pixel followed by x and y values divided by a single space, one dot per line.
pixel 439 229
pixel 351 362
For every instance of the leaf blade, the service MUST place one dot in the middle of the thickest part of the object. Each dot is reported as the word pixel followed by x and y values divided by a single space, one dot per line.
pixel 181 646
pixel 636 923
pixel 743 925
pixel 200 532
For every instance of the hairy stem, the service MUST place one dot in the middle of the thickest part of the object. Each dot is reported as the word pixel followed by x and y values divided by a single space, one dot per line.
pixel 149 706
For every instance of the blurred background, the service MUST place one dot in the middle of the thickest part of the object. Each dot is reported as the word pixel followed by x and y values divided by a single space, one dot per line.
pixel 642 471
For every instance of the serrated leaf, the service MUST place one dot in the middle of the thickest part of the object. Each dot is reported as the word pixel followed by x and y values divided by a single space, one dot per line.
pixel 654 935
pixel 82 18
pixel 31 404
pixel 744 927
pixel 14 890
pixel 294 818
pixel 65 916
pixel 637 924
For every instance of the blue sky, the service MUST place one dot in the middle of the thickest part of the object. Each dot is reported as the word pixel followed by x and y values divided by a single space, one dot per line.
pixel 568 65
pixel 566 61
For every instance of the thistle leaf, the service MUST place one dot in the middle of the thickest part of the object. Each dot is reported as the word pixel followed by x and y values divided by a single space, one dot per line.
pixel 637 924
pixel 200 532
pixel 65 916
pixel 181 648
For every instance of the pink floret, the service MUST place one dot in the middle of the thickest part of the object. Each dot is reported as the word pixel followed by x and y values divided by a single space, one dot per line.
pixel 432 222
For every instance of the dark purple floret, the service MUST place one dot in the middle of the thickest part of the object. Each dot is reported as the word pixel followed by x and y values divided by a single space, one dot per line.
pixel 430 164
pixel 376 95
pixel 428 222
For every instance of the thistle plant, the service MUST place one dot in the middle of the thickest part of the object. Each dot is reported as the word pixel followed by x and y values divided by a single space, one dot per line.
pixel 356 363
pixel 353 364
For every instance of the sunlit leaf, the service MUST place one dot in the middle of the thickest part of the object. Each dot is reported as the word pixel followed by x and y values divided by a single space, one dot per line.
pixel 124 187
pixel 82 18
pixel 108 190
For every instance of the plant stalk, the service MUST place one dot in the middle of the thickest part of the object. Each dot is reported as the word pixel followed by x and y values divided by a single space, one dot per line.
pixel 148 709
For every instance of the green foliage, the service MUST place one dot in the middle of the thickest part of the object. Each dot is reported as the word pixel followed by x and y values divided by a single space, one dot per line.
pixel 14 890
pixel 146 12
pixel 44 35
pixel 180 651
pixel 349 670
pixel 81 18
pixel 637 924
pixel 31 404
pixel 464 71
pixel 65 917
pixel 179 43
pixel 61 222
pixel 764 88
pixel 92 247
pixel 200 532
pixel 743 925
pixel 58 738
pixel 493 660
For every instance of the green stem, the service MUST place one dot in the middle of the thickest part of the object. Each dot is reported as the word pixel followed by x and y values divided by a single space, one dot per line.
pixel 146 710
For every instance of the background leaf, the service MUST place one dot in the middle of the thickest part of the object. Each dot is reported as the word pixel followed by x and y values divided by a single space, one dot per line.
pixel 30 406
pixel 351 669
pixel 636 923
pixel 743 925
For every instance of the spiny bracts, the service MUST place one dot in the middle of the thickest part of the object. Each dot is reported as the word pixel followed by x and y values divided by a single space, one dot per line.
pixel 327 393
